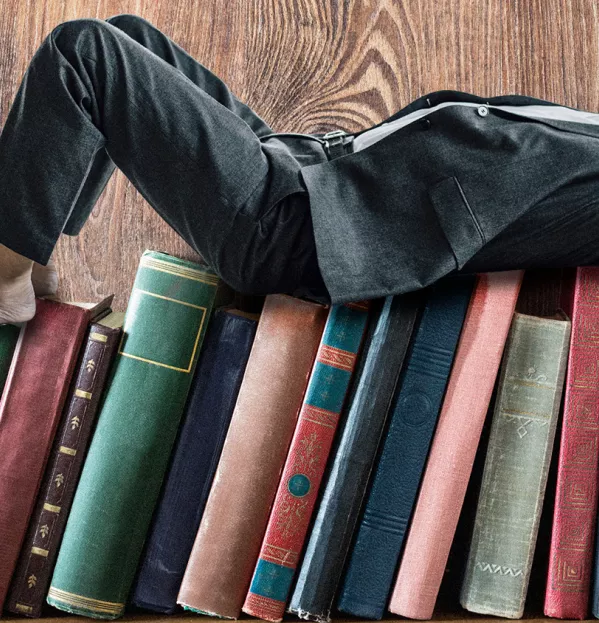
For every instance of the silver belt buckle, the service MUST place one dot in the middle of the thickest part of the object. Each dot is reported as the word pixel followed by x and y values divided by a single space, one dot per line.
pixel 333 142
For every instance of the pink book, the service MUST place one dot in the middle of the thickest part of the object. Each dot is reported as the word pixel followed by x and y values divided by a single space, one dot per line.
pixel 455 443
pixel 575 511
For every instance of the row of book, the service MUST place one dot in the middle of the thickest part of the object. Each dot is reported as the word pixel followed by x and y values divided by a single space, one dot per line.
pixel 303 458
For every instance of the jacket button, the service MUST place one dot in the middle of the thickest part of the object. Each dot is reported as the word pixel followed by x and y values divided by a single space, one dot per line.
pixel 483 111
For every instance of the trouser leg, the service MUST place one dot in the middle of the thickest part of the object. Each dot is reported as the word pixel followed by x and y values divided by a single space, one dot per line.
pixel 152 38
pixel 90 86
pixel 160 44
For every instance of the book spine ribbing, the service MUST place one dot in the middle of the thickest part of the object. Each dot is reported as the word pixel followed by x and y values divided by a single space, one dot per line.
pixel 354 451
pixel 165 324
pixel 455 443
pixel 417 403
pixel 306 461
pixel 32 577
pixel 516 467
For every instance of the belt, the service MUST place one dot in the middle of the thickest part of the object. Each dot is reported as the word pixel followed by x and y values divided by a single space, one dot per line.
pixel 335 144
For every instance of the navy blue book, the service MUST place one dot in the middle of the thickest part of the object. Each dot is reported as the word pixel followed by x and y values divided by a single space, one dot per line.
pixel 416 406
pixel 211 401
pixel 345 482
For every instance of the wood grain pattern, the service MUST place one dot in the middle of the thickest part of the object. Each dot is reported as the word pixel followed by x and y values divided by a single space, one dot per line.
pixel 311 66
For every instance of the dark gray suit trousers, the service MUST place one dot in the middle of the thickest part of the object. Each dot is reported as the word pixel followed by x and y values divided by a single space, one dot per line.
pixel 451 183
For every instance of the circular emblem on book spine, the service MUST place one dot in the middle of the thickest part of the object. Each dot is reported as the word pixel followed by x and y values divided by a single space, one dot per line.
pixel 298 485
pixel 416 408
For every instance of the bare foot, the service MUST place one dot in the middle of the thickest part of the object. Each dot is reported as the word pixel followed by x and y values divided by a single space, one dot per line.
pixel 17 296
pixel 17 301
pixel 44 279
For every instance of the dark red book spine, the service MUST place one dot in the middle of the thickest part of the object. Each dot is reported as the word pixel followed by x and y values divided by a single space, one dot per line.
pixel 575 513
pixel 32 577
pixel 30 409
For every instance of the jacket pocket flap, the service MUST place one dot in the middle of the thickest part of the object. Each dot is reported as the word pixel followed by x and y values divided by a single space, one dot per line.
pixel 457 219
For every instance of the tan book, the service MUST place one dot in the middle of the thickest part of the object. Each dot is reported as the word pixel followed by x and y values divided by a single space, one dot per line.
pixel 228 543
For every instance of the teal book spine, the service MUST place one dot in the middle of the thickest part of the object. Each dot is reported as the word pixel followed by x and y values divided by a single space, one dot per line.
pixel 165 324
pixel 9 334
pixel 516 466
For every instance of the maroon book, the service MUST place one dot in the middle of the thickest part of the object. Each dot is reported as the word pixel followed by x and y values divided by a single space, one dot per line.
pixel 30 409
pixel 31 580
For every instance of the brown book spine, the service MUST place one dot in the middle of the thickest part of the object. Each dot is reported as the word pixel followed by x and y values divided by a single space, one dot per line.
pixel 228 542
pixel 38 555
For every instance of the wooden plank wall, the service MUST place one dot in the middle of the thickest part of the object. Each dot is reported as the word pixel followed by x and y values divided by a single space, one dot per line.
pixel 311 66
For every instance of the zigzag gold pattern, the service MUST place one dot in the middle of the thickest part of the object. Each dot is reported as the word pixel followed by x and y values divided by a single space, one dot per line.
pixel 281 556
pixel 266 605
pixel 336 357
pixel 319 416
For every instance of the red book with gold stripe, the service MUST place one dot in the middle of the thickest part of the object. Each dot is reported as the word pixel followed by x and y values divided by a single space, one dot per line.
pixel 306 461
pixel 35 393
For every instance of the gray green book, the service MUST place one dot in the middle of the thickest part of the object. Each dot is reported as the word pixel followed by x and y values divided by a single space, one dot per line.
pixel 516 466
pixel 165 323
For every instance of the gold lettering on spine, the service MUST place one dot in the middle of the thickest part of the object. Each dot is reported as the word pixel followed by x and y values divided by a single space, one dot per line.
pixel 23 608
pixel 69 451
pixel 81 394
pixel 51 508
pixel 98 337
pixel 39 551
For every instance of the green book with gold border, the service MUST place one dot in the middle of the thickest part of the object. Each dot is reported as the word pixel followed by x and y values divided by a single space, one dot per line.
pixel 165 323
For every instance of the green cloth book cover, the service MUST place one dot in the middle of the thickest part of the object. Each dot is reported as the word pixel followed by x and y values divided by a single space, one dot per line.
pixel 165 323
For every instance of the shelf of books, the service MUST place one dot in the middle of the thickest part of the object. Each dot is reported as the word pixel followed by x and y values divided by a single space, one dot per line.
pixel 429 455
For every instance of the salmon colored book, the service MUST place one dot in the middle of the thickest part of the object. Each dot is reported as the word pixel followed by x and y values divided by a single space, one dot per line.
pixel 228 542
pixel 454 445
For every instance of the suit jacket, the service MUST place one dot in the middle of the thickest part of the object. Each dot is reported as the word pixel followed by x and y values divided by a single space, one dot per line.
pixel 468 185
